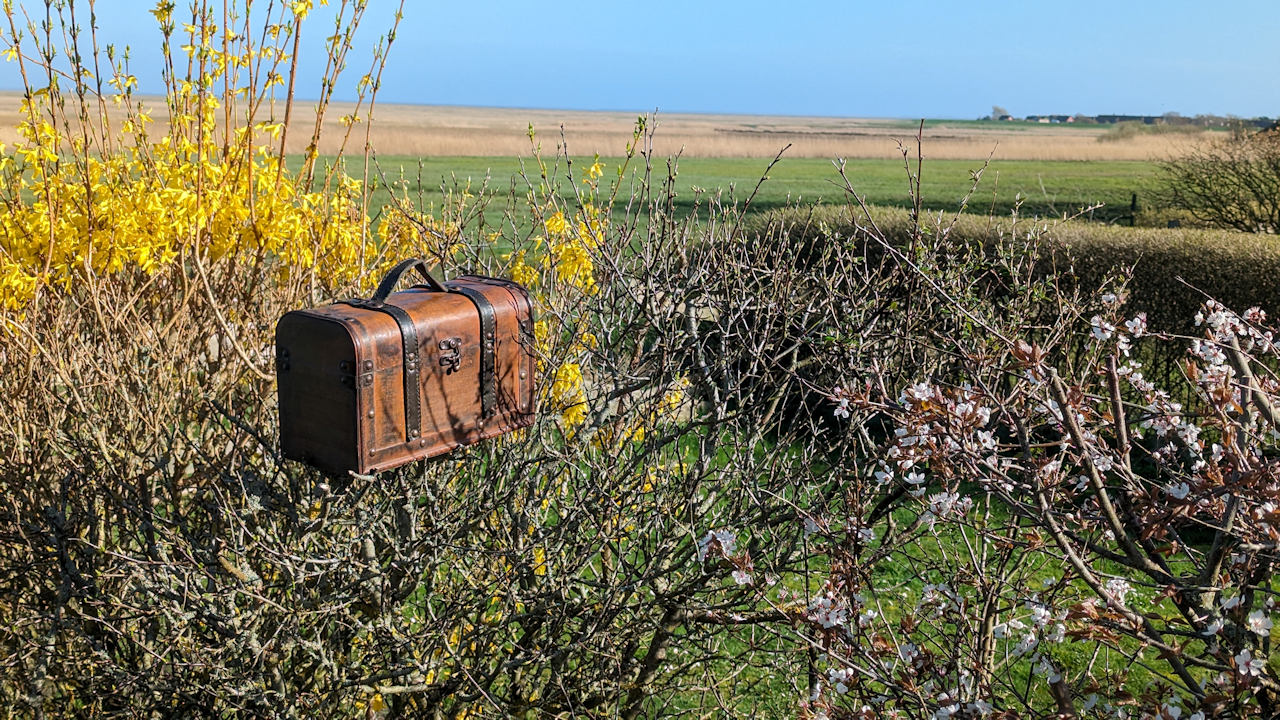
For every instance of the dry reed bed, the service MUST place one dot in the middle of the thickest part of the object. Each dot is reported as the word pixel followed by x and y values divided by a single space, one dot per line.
pixel 423 130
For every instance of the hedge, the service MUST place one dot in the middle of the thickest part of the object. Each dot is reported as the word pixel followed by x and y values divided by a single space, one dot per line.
pixel 1173 269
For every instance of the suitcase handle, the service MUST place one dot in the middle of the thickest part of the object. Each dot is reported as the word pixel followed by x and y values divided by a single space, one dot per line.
pixel 393 278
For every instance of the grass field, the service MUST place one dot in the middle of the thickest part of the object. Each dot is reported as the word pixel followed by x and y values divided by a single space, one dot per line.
pixel 1043 187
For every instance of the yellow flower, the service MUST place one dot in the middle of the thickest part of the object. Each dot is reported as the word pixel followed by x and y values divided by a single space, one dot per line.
pixel 556 224
pixel 573 265
pixel 568 395
pixel 521 272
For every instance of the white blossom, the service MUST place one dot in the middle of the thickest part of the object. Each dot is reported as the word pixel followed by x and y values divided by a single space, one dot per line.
pixel 920 392
pixel 1249 665
pixel 1026 644
pixel 1045 667
pixel 1259 623
pixel 986 439
pixel 1189 433
pixel 1102 330
pixel 1040 614
pixel 828 612
pixel 724 540
pixel 1137 326
pixel 980 707
pixel 839 679
pixel 1004 629
pixel 907 652
pixel 841 398
pixel 940 595
pixel 1209 352
pixel 1119 589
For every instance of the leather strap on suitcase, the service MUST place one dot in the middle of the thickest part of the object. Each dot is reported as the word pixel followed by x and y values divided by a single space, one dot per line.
pixel 488 358
pixel 412 348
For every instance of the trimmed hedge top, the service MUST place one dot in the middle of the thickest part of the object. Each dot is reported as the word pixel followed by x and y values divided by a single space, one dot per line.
pixel 1172 269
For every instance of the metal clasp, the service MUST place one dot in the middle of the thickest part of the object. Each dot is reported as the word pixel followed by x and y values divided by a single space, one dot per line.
pixel 451 358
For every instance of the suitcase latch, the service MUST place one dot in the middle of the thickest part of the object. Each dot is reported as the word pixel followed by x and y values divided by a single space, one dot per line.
pixel 451 358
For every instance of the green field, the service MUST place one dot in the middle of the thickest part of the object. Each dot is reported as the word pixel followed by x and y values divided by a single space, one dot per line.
pixel 1045 188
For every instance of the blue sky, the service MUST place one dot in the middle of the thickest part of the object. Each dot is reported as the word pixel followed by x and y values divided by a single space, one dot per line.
pixel 929 58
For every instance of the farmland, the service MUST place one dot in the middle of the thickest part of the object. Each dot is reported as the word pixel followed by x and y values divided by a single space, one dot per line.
pixel 1048 170
pixel 1045 188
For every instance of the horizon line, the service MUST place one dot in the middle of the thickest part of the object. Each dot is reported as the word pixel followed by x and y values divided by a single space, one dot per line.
pixel 658 112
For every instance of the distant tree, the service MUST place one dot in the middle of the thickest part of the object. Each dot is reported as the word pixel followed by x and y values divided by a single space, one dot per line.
pixel 998 112
pixel 1229 182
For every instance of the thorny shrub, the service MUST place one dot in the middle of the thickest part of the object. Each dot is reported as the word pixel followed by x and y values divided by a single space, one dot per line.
pixel 1042 529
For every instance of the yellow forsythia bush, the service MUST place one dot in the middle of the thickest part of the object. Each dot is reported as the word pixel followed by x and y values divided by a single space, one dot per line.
pixel 92 187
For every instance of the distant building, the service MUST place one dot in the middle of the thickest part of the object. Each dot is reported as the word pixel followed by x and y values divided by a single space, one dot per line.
pixel 1204 121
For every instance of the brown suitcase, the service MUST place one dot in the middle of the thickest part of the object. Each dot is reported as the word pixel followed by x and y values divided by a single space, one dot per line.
pixel 368 385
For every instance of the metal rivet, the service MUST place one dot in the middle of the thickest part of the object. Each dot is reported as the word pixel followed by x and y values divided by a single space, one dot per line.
pixel 522 374
pixel 370 413
pixel 371 452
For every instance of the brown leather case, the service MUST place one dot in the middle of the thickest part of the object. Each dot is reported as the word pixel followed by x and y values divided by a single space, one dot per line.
pixel 368 385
